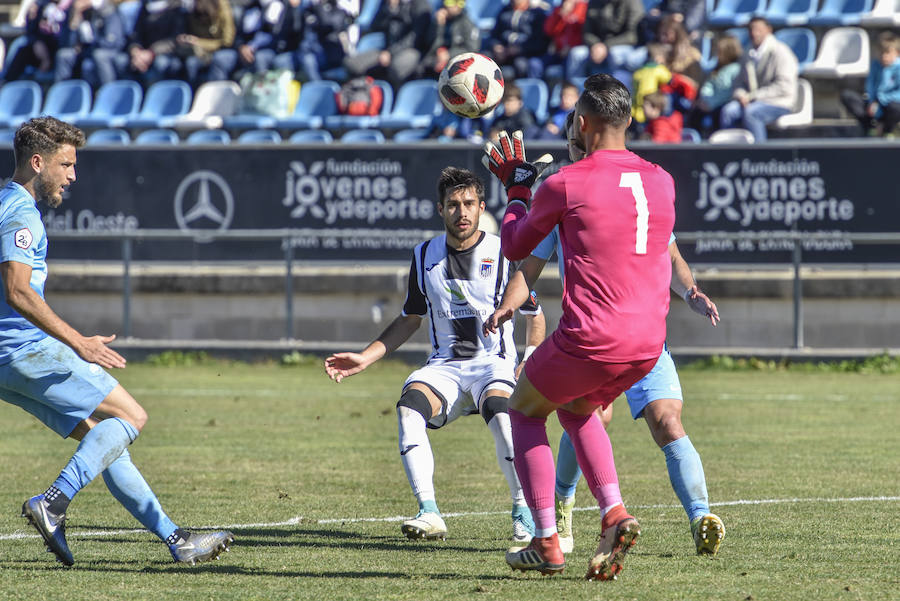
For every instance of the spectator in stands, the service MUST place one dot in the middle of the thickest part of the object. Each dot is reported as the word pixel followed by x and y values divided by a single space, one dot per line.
pixel 93 35
pixel 766 87
pixel 151 49
pixel 405 25
pixel 515 116
pixel 517 42
pixel 691 14
pixel 610 36
pixel 565 29
pixel 648 79
pixel 682 57
pixel 452 32
pixel 255 39
pixel 663 124
pixel 718 87
pixel 209 27
pixel 879 108
pixel 555 128
pixel 325 39
pixel 44 22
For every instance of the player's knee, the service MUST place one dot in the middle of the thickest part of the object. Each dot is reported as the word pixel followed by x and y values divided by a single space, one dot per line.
pixel 415 400
pixel 666 427
pixel 138 418
pixel 492 406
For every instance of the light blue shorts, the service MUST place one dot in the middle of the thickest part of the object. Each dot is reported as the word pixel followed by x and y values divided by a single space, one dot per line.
pixel 661 383
pixel 52 383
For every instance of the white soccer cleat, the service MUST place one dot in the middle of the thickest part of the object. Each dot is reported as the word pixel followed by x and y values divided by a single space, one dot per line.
pixel 428 525
pixel 564 528
pixel 523 525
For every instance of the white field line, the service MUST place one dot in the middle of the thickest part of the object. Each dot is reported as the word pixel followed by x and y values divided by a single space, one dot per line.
pixel 18 535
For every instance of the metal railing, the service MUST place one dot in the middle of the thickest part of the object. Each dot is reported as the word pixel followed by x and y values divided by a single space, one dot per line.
pixel 286 235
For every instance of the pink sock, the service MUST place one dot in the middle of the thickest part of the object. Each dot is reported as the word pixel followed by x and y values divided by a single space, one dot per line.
pixel 534 465
pixel 594 453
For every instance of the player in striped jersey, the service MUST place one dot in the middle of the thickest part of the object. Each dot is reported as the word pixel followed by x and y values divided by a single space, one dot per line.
pixel 456 280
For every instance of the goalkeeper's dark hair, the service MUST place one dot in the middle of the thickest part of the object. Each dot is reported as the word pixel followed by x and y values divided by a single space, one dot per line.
pixel 454 178
pixel 44 136
pixel 606 97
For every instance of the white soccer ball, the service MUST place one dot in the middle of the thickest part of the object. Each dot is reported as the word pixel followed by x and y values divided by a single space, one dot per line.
pixel 470 85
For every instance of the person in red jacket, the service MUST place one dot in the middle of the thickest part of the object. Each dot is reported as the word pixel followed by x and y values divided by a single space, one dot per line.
pixel 661 127
pixel 564 28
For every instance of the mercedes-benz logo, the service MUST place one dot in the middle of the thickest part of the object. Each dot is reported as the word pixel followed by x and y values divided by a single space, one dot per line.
pixel 198 208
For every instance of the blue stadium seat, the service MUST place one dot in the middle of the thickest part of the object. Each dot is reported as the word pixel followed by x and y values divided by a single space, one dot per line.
pixel 802 41
pixel 317 101
pixel 311 136
pixel 417 105
pixel 68 100
pixel 370 41
pixel 365 121
pixel 359 136
pixel 790 12
pixel 152 137
pixel 690 135
pixel 367 14
pixel 410 135
pixel 19 102
pixel 535 96
pixel 729 13
pixel 6 137
pixel 109 137
pixel 117 102
pixel 259 136
pixel 484 12
pixel 164 102
pixel 208 136
pixel 129 11
pixel 841 12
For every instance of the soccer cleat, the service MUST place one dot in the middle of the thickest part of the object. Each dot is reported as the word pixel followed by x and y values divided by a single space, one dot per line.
pixel 615 541
pixel 523 525
pixel 708 532
pixel 427 525
pixel 541 554
pixel 564 509
pixel 201 546
pixel 50 526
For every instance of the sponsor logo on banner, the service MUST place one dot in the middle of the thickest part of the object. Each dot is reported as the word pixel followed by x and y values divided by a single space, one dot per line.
pixel 203 201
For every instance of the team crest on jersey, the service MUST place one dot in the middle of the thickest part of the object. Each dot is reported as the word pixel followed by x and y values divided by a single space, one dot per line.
pixel 487 268
pixel 24 238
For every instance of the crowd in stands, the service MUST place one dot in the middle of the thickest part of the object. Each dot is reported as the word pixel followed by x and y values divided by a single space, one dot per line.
pixel 682 76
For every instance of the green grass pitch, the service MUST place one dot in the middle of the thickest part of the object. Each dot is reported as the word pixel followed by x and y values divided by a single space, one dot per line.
pixel 803 468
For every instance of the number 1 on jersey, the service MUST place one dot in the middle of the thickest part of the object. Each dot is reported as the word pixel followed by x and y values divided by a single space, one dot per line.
pixel 633 181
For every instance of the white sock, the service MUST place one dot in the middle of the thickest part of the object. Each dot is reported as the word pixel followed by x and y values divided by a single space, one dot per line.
pixel 502 432
pixel 415 453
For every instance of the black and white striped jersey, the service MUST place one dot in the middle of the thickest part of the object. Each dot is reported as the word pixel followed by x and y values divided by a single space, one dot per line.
pixel 458 291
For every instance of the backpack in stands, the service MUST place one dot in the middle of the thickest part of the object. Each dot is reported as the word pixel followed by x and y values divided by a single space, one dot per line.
pixel 360 96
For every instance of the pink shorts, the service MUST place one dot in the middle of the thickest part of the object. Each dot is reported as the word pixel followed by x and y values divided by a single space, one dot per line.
pixel 562 377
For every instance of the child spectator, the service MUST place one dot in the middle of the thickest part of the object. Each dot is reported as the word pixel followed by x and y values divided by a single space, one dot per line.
pixel 555 128
pixel 880 106
pixel 717 89
pixel 649 78
pixel 663 125
pixel 515 115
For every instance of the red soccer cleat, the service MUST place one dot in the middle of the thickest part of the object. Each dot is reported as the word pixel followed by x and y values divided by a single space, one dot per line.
pixel 541 554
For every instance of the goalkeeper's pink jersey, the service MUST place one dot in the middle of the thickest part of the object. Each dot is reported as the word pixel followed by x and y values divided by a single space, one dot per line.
pixel 615 213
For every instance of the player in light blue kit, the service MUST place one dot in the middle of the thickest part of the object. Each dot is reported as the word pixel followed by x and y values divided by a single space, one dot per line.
pixel 53 372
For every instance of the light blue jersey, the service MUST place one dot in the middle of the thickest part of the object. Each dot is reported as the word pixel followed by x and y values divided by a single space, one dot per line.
pixel 23 239
pixel 662 381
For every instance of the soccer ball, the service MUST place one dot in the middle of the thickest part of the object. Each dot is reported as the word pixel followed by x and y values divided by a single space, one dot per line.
pixel 470 85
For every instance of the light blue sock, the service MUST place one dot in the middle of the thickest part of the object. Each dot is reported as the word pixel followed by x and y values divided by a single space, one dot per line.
pixel 429 506
pixel 130 489
pixel 686 475
pixel 567 471
pixel 97 450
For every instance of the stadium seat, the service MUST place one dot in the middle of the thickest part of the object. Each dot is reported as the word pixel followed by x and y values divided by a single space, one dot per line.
pixel 259 136
pixel 117 102
pixel 68 100
pixel 417 105
pixel 410 135
pixel 152 137
pixel 19 102
pixel 337 121
pixel 359 136
pixel 729 13
pixel 731 136
pixel 844 51
pixel 129 11
pixel 802 41
pixel 2 51
pixel 781 13
pixel 317 101
pixel 311 136
pixel 535 97
pixel 367 13
pixel 690 135
pixel 370 41
pixel 836 13
pixel 884 13
pixel 803 109
pixel 484 12
pixel 108 137
pixel 164 102
pixel 6 137
pixel 208 136
pixel 213 101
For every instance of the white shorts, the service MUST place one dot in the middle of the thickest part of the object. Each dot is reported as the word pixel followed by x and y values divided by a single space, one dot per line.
pixel 461 384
